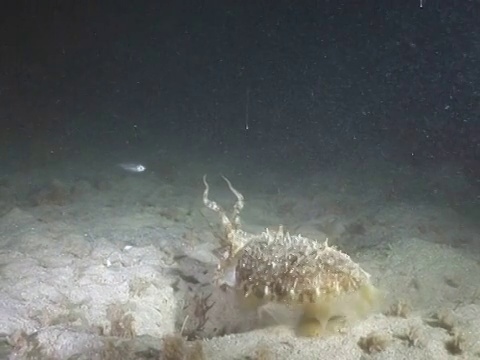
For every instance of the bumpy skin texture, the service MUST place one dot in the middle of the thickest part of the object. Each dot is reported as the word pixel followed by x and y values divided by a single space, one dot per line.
pixel 274 266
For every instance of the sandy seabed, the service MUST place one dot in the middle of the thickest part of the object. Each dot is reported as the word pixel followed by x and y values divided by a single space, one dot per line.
pixel 111 265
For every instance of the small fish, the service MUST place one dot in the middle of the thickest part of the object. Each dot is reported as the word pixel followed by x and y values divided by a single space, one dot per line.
pixel 136 168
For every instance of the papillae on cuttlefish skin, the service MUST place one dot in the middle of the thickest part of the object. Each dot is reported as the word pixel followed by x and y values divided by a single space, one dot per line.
pixel 276 267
